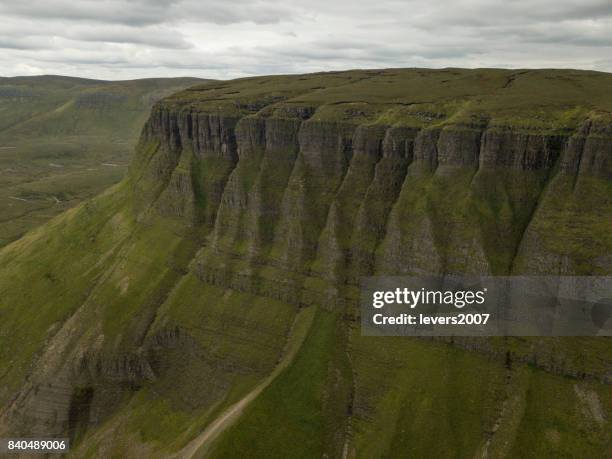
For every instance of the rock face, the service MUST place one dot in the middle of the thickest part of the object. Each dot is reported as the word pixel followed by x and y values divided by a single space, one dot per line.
pixel 277 200
pixel 338 201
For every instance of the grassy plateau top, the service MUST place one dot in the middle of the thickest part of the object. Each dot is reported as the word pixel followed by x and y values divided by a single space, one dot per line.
pixel 527 99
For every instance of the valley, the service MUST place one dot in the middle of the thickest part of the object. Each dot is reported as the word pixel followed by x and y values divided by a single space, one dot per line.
pixel 65 139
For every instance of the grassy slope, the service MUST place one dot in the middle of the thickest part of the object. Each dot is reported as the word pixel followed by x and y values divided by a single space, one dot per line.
pixel 296 404
pixel 450 403
pixel 106 260
pixel 239 331
pixel 66 256
pixel 64 139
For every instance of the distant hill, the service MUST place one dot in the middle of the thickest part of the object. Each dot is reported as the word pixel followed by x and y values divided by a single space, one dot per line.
pixel 63 139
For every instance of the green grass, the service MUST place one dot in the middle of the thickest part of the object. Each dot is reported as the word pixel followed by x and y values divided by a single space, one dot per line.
pixel 287 419
pixel 422 400
pixel 233 341
pixel 64 140
pixel 556 424
pixel 551 100
pixel 574 211
pixel 66 259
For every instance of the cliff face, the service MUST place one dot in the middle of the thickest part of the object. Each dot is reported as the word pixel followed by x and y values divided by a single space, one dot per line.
pixel 248 200
pixel 339 200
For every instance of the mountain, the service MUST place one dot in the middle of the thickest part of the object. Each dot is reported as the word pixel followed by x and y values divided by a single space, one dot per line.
pixel 208 303
pixel 65 139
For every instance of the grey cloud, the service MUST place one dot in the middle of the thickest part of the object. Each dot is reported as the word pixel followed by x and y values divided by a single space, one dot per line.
pixel 583 33
pixel 580 34
pixel 47 32
pixel 137 13
pixel 150 36
pixel 373 52
pixel 223 39
pixel 485 14
pixel 18 43
pixel 148 12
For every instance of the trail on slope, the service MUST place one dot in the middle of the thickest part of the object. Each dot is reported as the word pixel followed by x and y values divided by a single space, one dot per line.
pixel 297 334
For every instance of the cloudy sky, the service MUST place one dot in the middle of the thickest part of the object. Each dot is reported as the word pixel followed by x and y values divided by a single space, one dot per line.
pixel 118 39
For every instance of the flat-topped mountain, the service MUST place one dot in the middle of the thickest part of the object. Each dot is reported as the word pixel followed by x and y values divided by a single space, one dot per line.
pixel 225 269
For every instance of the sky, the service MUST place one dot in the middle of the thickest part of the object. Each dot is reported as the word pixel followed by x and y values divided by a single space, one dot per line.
pixel 124 39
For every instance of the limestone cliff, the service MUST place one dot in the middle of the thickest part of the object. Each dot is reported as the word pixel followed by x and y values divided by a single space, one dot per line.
pixel 251 198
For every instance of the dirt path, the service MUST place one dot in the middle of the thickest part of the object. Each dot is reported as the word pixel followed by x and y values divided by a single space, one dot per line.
pixel 297 334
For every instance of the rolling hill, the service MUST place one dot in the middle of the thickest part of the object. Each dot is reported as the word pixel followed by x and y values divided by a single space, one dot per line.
pixel 65 139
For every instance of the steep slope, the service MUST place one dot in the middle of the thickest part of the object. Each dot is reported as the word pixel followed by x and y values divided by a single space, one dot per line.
pixel 65 139
pixel 132 322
